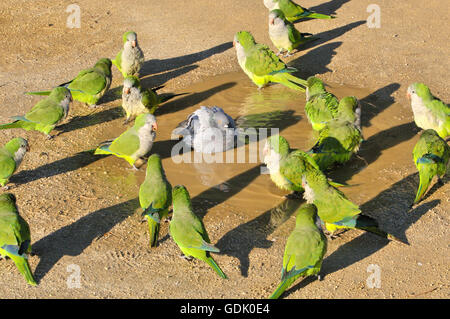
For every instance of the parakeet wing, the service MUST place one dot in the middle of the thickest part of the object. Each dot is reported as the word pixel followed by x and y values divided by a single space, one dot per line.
pixel 304 248
pixel 90 81
pixel 262 61
pixel 7 164
pixel 322 107
pixel 46 111
pixel 157 192
pixel 126 144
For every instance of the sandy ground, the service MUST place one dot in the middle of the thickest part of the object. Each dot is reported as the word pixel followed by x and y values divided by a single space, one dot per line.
pixel 83 210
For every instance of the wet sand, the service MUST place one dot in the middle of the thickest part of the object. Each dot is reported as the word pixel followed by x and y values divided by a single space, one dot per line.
pixel 83 209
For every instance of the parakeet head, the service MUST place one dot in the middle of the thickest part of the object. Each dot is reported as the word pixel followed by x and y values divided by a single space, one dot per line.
pixel 146 119
pixel 17 147
pixel 8 197
pixel 105 65
pixel 61 94
pixel 244 39
pixel 276 144
pixel 276 18
pixel 154 163
pixel 131 38
pixel 16 144
pixel 307 213
pixel 180 197
pixel 349 109
pixel 419 90
pixel 314 86
pixel 130 82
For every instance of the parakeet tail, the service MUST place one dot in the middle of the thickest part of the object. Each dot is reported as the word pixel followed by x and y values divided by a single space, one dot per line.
pixel 425 179
pixel 210 261
pixel 38 93
pixel 102 149
pixel 314 15
pixel 370 225
pixel 153 228
pixel 284 284
pixel 24 268
pixel 289 80
pixel 15 124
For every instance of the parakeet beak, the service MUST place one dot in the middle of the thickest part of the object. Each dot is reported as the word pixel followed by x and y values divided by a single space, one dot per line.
pixel 28 148
pixel 271 21
pixel 408 95
pixel 133 44
pixel 234 43
pixel 127 90
pixel 154 127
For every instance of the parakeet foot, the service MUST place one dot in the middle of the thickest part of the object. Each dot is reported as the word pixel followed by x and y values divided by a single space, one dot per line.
pixel 6 187
pixel 49 137
pixel 186 257
pixel 288 55
pixel 93 106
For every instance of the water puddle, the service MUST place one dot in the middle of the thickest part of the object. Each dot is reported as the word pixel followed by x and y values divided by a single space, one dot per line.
pixel 241 185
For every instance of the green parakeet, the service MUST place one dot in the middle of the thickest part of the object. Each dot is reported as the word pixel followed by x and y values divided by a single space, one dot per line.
pixel 321 106
pixel 137 100
pixel 11 155
pixel 431 156
pixel 90 84
pixel 262 65
pixel 304 251
pixel 155 196
pixel 46 114
pixel 284 35
pixel 340 138
pixel 429 111
pixel 188 231
pixel 135 142
pixel 131 58
pixel 15 239
pixel 334 209
pixel 293 11
pixel 282 161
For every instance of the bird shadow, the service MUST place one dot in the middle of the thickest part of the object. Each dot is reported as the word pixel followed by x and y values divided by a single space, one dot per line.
pixel 240 241
pixel 192 99
pixel 161 78
pixel 329 35
pixel 329 7
pixel 376 102
pixel 155 66
pixel 82 121
pixel 315 61
pixel 395 217
pixel 61 166
pixel 73 239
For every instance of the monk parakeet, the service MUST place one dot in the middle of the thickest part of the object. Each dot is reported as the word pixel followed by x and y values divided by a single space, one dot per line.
pixel 333 207
pixel 340 137
pixel 15 239
pixel 131 58
pixel 46 114
pixel 282 162
pixel 429 111
pixel 188 231
pixel 90 84
pixel 135 142
pixel 321 106
pixel 155 196
pixel 284 35
pixel 431 156
pixel 293 11
pixel 11 155
pixel 304 250
pixel 137 100
pixel 262 65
